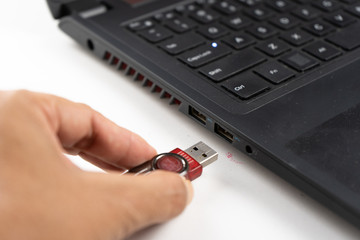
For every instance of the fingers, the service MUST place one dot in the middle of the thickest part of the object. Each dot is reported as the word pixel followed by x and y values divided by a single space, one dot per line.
pixel 100 163
pixel 140 201
pixel 120 205
pixel 81 130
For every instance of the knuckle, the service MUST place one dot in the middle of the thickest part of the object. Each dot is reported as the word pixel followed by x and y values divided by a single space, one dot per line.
pixel 24 104
pixel 84 106
pixel 18 99
pixel 21 98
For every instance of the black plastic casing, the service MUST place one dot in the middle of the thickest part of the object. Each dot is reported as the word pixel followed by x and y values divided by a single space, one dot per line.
pixel 307 131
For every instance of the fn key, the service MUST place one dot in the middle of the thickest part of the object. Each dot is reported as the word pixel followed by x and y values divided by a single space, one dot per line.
pixel 246 86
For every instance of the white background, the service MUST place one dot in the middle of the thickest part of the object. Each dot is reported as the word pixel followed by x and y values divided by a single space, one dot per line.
pixel 234 199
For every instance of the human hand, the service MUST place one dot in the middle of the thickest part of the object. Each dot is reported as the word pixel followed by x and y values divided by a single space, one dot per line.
pixel 44 196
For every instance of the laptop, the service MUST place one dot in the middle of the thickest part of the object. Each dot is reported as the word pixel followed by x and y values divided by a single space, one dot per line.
pixel 277 79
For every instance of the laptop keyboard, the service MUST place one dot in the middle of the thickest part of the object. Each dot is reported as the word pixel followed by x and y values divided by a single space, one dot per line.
pixel 250 47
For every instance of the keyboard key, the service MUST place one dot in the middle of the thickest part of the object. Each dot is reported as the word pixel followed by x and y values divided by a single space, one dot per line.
pixel 236 22
pixel 212 31
pixel 164 16
pixel 322 51
pixel 204 54
pixel 249 46
pixel 155 34
pixel 327 5
pixel 354 9
pixel 319 28
pixel 262 31
pixel 186 9
pixel 273 47
pixel 239 41
pixel 306 13
pixel 180 24
pixel 226 7
pixel 274 72
pixel 205 3
pixel 140 25
pixel 285 22
pixel 281 5
pixel 340 19
pixel 296 37
pixel 181 43
pixel 232 65
pixel 204 16
pixel 259 13
pixel 348 38
pixel 246 86
pixel 299 61
pixel 250 3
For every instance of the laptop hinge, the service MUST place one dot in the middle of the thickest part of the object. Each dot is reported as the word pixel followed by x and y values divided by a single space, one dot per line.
pixel 62 8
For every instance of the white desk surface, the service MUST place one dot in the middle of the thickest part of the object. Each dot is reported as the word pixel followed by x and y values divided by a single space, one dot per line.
pixel 236 198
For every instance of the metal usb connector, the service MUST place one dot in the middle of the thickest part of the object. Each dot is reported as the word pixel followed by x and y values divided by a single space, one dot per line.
pixel 202 153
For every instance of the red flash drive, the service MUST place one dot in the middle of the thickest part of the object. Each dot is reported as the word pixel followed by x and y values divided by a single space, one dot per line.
pixel 188 163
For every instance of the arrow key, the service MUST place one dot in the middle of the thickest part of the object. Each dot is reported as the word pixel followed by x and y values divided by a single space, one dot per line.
pixel 239 41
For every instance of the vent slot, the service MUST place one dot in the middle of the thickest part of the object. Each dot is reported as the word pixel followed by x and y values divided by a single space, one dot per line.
pixel 130 71
pixel 166 95
pixel 115 61
pixel 123 66
pixel 148 83
pixel 175 101
pixel 157 89
pixel 107 56
pixel 139 77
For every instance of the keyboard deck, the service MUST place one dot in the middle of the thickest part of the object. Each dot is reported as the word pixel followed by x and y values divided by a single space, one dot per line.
pixel 251 47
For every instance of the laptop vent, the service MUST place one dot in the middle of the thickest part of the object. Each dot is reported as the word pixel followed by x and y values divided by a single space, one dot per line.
pixel 139 77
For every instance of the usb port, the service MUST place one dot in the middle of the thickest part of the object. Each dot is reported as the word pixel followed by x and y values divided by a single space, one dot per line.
pixel 224 133
pixel 197 115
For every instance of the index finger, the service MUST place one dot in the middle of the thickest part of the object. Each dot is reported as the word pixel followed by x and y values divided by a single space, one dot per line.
pixel 81 130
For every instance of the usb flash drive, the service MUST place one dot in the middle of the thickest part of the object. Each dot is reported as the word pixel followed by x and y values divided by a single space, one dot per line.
pixel 188 163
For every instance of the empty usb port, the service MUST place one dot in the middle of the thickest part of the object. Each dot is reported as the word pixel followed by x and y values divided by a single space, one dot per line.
pixel 197 115
pixel 224 133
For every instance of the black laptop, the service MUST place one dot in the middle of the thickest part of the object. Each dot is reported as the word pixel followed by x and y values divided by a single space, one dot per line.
pixel 277 79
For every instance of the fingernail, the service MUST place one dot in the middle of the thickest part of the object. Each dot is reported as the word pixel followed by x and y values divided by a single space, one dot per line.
pixel 189 190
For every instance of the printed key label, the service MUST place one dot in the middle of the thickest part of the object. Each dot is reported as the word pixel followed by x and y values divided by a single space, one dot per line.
pixel 239 88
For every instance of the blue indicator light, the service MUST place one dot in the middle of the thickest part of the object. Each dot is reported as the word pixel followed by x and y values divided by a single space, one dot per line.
pixel 214 44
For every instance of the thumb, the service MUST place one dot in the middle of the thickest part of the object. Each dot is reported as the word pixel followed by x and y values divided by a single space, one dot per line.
pixel 141 201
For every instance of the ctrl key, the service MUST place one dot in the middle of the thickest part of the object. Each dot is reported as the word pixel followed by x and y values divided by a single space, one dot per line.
pixel 246 86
